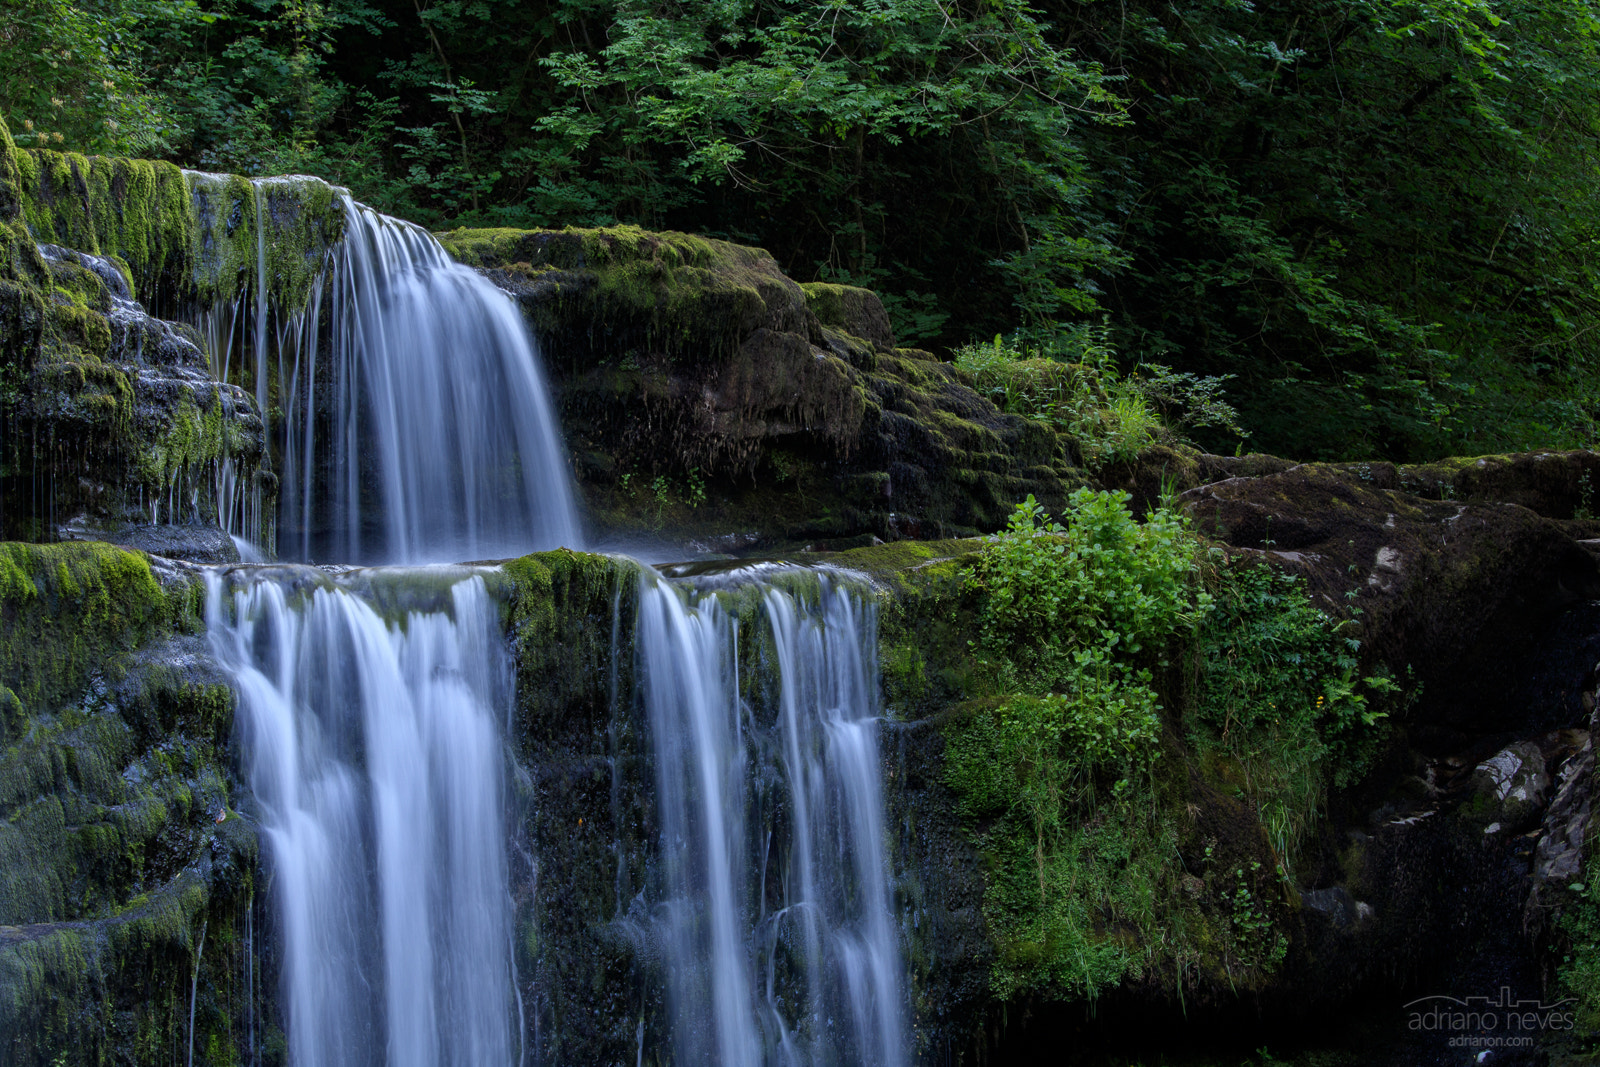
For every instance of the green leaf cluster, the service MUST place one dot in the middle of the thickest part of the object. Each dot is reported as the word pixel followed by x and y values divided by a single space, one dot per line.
pixel 1117 664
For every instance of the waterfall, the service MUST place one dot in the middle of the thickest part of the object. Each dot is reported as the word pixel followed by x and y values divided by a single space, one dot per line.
pixel 416 424
pixel 373 749
pixel 779 940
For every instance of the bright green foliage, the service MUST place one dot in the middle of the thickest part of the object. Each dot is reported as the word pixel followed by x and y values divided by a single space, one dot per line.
pixel 1066 599
pixel 1057 772
pixel 1579 970
pixel 1377 216
pixel 77 76
pixel 1074 387
pixel 1115 660
pixel 1279 710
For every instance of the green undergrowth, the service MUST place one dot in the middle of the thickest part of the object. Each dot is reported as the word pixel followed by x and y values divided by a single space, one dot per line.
pixel 1578 968
pixel 1279 710
pixel 1142 735
pixel 1076 389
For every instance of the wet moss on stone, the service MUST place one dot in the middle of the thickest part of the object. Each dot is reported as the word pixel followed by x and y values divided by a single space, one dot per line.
pixel 138 210
pixel 121 853
pixel 290 223
pixel 67 610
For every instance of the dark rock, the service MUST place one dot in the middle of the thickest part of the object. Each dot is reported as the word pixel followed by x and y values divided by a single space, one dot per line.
pixel 725 395
pixel 856 312
pixel 1340 908
pixel 1445 588
pixel 192 544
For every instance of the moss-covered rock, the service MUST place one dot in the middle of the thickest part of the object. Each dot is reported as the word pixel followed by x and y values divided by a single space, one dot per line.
pixel 126 874
pixel 108 415
pixel 1446 588
pixel 134 209
pixel 851 310
pixel 703 390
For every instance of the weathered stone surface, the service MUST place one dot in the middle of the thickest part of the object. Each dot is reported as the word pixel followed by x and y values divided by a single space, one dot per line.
pixel 701 388
pixel 127 873
pixel 1513 786
pixel 109 415
pixel 855 312
pixel 1447 588
pixel 191 544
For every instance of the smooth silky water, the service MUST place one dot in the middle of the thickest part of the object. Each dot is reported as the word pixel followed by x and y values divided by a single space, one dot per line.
pixel 417 429
pixel 808 972
pixel 373 748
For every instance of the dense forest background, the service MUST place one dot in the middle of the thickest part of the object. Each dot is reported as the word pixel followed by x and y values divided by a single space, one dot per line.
pixel 1378 217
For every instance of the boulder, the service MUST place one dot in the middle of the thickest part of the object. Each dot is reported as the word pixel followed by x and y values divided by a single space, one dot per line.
pixel 700 388
pixel 1511 788
pixel 1450 590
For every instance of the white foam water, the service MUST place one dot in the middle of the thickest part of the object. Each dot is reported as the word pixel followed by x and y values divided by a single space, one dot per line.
pixel 416 425
pixel 373 750
pixel 809 973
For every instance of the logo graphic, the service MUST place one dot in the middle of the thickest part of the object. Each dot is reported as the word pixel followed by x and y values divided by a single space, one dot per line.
pixel 1489 1022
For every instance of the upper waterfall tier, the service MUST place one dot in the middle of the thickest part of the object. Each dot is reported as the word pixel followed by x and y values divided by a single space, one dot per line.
pixel 416 425
pixel 379 402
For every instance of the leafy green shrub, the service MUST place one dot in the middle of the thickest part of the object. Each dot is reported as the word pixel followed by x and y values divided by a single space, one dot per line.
pixel 1279 699
pixel 1059 598
pixel 1056 773
pixel 1086 627
pixel 1579 970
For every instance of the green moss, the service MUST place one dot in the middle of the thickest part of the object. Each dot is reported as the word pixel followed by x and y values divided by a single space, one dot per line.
pixel 289 222
pixel 138 210
pixel 67 610
pixel 690 297
pixel 192 440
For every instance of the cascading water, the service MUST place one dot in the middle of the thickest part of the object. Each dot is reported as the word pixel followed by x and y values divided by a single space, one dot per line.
pixel 799 964
pixel 373 748
pixel 469 459
pixel 416 425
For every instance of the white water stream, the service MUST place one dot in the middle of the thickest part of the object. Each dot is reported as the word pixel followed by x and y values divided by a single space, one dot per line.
pixel 809 974
pixel 416 428
pixel 416 424
pixel 372 747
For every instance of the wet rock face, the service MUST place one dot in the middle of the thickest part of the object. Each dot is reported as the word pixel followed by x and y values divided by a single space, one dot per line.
pixel 127 871
pixel 116 417
pixel 700 385
pixel 1513 786
pixel 1449 589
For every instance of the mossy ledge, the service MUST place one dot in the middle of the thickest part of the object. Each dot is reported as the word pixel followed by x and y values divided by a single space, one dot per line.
pixel 109 416
pixel 703 390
